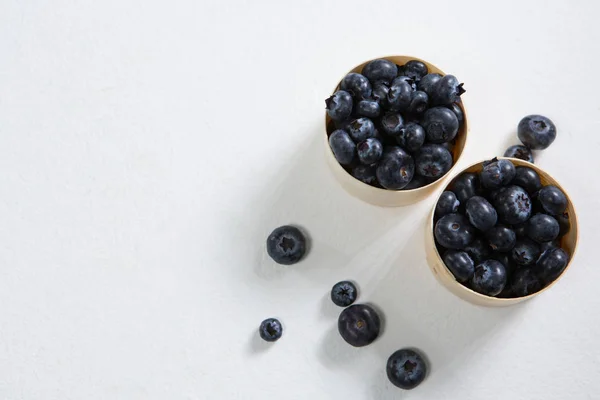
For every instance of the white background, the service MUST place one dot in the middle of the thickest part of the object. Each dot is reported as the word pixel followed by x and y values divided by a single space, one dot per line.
pixel 147 148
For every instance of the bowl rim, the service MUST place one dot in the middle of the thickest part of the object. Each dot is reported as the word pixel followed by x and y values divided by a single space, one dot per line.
pixel 510 300
pixel 429 185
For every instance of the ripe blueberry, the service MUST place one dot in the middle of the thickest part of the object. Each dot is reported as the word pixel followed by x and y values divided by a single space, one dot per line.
pixel 369 151
pixel 536 132
pixel 415 69
pixel 497 173
pixel 361 128
pixel 392 124
pixel 380 70
pixel 460 264
pixel 501 238
pixel 357 85
pixel 406 369
pixel 525 252
pixel 482 215
pixel 399 96
pixel 270 329
pixel 447 90
pixel 478 250
pixel 428 82
pixel 525 282
pixel 465 186
pixel 396 169
pixel 513 205
pixel 453 231
pixel 342 146
pixel 344 293
pixel 339 106
pixel 551 264
pixel 447 204
pixel 441 124
pixel 528 179
pixel 411 137
pixel 433 161
pixel 519 151
pixel 359 325
pixel 365 173
pixel 542 228
pixel 286 245
pixel 489 277
pixel 368 108
pixel 552 200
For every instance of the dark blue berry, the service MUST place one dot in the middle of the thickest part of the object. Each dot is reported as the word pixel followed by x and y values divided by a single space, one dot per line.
pixel 392 124
pixel 482 215
pixel 416 182
pixel 506 260
pixel 361 129
pixel 357 85
pixel 344 293
pixel 368 108
pixel 528 179
pixel 447 204
pixel 428 82
pixel 411 137
pixel 501 238
pixel 380 94
pixel 396 169
pixel 406 79
pixel 339 106
pixel 552 200
pixel 542 228
pixel 453 231
pixel 519 151
pixel 525 252
pixel 465 186
pixel 489 278
pixel 365 173
pixel 536 132
pixel 497 173
pixel 270 329
pixel 286 245
pixel 441 124
pixel 549 245
pixel 513 205
pixel 406 369
pixel 458 111
pixel 418 102
pixel 551 264
pixel 415 69
pixel 399 96
pixel 525 282
pixel 433 161
pixel 369 151
pixel 342 146
pixel 359 325
pixel 447 90
pixel 479 250
pixel 460 264
pixel 380 70
pixel 563 223
pixel 520 229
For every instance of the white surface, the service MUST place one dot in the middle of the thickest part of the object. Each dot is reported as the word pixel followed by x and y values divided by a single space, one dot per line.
pixel 148 148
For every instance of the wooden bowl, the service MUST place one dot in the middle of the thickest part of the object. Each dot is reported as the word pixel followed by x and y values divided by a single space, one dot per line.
pixel 385 197
pixel 445 277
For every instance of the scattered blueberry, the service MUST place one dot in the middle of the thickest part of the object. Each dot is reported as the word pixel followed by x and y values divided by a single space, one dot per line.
pixel 460 264
pixel 406 369
pixel 399 96
pixel 497 173
pixel 536 132
pixel 447 204
pixel 411 137
pixel 392 124
pixel 418 102
pixel 489 278
pixel 368 108
pixel 344 293
pixel 441 124
pixel 339 106
pixel 361 128
pixel 286 245
pixel 359 325
pixel 501 238
pixel 369 151
pixel 542 228
pixel 428 82
pixel 453 231
pixel 482 215
pixel 528 179
pixel 342 146
pixel 525 282
pixel 396 169
pixel 465 186
pixel 357 85
pixel 433 161
pixel 479 250
pixel 519 151
pixel 447 90
pixel 525 252
pixel 415 69
pixel 270 329
pixel 551 264
pixel 552 200
pixel 513 205
pixel 380 70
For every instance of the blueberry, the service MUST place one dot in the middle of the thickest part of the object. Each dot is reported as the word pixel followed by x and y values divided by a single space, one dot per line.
pixel 396 169
pixel 399 96
pixel 433 161
pixel 453 231
pixel 416 182
pixel 359 325
pixel 380 70
pixel 489 277
pixel 497 173
pixel 380 94
pixel 520 229
pixel 270 329
pixel 361 129
pixel 501 238
pixel 513 205
pixel 478 250
pixel 365 173
pixel 286 245
pixel 411 137
pixel 428 82
pixel 536 132
pixel 551 264
pixel 357 85
pixel 369 151
pixel 368 108
pixel 506 260
pixel 519 151
pixel 392 124
pixel 406 369
pixel 403 78
pixel 415 69
pixel 447 90
pixel 563 223
pixel 552 200
pixel 525 282
pixel 542 228
pixel 342 146
pixel 549 245
pixel 465 186
pixel 418 102
pixel 525 252
pixel 460 264
pixel 344 293
pixel 447 204
pixel 441 124
pixel 343 124
pixel 458 111
pixel 339 106
pixel 528 179
pixel 482 215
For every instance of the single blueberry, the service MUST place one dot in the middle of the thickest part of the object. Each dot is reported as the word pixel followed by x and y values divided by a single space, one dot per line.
pixel 549 245
pixel 496 173
pixel 286 245
pixel 369 151
pixel 380 70
pixel 501 238
pixel 460 264
pixel 479 250
pixel 380 94
pixel 457 109
pixel 506 260
pixel 339 106
pixel 525 252
pixel 552 200
pixel 357 85
pixel 536 132
pixel 406 369
pixel 433 161
pixel 416 182
pixel 365 173
pixel 360 129
pixel 344 293
pixel 519 151
pixel 513 205
pixel 270 329
pixel 447 90
pixel 528 179
pixel 563 223
pixel 441 124
pixel 453 231
pixel 428 82
pixel 396 169
pixel 482 215
pixel 342 146
pixel 525 282
pixel 392 124
pixel 415 69
pixel 465 186
pixel 489 277
pixel 368 108
pixel 412 136
pixel 418 102
pixel 447 204
pixel 542 228
pixel 551 264
pixel 403 78
pixel 359 325
pixel 399 96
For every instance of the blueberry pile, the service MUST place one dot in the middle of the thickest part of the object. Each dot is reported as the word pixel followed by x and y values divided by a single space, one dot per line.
pixel 394 126
pixel 536 132
pixel 499 231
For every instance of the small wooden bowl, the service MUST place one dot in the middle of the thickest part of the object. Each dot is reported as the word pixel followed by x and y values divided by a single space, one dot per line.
pixel 443 274
pixel 385 197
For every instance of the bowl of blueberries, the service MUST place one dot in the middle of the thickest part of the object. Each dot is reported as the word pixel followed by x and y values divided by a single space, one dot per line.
pixel 396 126
pixel 501 232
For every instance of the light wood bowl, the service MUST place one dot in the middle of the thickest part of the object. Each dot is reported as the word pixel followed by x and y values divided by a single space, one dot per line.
pixel 445 277
pixel 385 197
